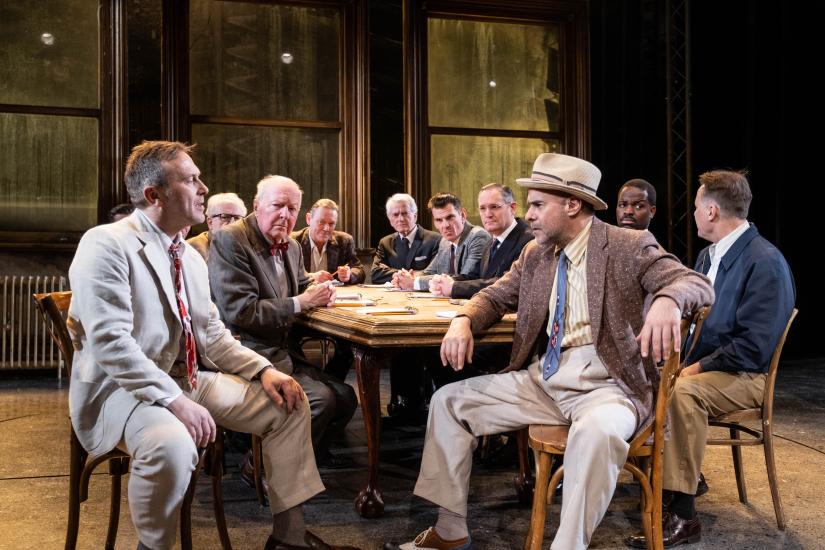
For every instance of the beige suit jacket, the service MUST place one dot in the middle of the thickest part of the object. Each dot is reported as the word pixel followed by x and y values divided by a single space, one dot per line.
pixel 623 266
pixel 126 328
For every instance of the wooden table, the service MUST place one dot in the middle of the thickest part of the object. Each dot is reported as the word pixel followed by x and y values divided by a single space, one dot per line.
pixel 375 339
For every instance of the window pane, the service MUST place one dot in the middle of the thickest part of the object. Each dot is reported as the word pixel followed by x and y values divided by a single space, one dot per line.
pixel 463 164
pixel 264 61
pixel 49 53
pixel 235 158
pixel 493 75
pixel 50 180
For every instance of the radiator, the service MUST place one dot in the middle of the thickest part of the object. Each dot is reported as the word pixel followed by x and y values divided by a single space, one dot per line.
pixel 25 342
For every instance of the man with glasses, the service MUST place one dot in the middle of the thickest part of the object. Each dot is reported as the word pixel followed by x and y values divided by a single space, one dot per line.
pixel 221 209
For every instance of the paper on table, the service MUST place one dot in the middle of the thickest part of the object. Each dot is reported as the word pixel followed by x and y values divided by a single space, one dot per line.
pixel 348 296
pixel 446 314
pixel 385 285
pixel 397 310
pixel 354 303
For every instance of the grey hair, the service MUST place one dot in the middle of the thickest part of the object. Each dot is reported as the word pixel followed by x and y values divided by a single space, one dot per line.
pixel 506 192
pixel 269 181
pixel 224 198
pixel 405 198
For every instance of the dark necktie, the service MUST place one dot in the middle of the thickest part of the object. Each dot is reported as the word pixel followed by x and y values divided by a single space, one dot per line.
pixel 402 250
pixel 551 359
pixel 186 321
pixel 452 260
pixel 494 249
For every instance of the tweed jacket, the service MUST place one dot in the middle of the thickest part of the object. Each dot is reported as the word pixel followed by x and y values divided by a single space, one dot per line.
pixel 127 332
pixel 246 289
pixel 491 270
pixel 755 295
pixel 340 251
pixel 468 252
pixel 422 250
pixel 623 266
pixel 201 244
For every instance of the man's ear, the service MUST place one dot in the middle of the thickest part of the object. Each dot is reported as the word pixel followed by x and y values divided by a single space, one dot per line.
pixel 151 194
pixel 652 212
pixel 573 206
pixel 309 217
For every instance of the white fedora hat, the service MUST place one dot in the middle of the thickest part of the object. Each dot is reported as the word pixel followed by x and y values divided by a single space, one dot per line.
pixel 571 175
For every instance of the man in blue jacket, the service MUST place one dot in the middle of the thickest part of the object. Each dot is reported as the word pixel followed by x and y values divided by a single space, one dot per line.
pixel 726 371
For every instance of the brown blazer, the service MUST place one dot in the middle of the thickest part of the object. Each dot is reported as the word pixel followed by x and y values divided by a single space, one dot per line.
pixel 201 244
pixel 622 268
pixel 340 251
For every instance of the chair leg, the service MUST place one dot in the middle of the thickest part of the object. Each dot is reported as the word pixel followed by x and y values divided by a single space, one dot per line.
pixel 535 535
pixel 258 467
pixel 117 467
pixel 738 469
pixel 216 471
pixel 186 507
pixel 770 464
pixel 524 481
pixel 77 458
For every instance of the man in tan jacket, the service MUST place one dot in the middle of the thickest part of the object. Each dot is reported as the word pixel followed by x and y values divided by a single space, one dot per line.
pixel 589 357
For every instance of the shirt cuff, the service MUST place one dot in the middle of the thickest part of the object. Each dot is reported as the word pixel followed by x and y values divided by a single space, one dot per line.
pixel 417 284
pixel 296 305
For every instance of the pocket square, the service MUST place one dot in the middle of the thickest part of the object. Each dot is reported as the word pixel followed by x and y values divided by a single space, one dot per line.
pixel 419 258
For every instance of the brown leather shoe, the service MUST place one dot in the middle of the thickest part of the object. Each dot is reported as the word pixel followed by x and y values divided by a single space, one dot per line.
pixel 675 531
pixel 274 544
pixel 430 540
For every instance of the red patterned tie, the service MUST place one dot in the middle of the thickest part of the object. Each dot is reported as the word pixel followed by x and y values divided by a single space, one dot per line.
pixel 186 321
pixel 281 247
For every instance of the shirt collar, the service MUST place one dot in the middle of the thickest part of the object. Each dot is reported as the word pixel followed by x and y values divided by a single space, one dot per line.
pixel 507 232
pixel 165 240
pixel 718 250
pixel 411 235
pixel 314 248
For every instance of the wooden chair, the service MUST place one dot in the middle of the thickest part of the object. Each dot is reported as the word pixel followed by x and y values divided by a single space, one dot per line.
pixel 54 307
pixel 547 441
pixel 764 414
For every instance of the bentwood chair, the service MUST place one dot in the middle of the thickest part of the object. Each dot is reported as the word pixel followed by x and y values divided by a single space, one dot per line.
pixel 547 441
pixel 764 414
pixel 54 307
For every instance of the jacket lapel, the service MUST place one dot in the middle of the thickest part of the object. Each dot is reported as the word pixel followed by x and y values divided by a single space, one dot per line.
pixel 416 243
pixel 261 248
pixel 332 254
pixel 158 260
pixel 597 258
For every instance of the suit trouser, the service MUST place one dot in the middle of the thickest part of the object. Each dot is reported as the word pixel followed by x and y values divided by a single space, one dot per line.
pixel 164 454
pixel 695 398
pixel 580 394
pixel 331 403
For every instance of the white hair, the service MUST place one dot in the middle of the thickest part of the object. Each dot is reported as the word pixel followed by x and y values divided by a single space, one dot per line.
pixel 224 198
pixel 405 198
pixel 271 181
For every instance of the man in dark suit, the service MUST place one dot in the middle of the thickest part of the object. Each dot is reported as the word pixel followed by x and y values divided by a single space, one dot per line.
pixel 328 254
pixel 411 247
pixel 498 208
pixel 594 373
pixel 257 275
pixel 726 370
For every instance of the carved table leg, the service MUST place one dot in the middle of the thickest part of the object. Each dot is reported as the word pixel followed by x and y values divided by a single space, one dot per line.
pixel 369 502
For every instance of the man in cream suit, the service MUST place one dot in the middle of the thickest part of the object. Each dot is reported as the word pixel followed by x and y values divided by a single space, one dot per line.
pixel 155 368
pixel 592 370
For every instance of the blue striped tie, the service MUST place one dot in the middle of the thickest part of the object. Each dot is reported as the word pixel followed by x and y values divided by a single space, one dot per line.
pixel 551 358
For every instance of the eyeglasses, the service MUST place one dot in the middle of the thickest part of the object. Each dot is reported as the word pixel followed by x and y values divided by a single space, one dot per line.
pixel 492 208
pixel 226 218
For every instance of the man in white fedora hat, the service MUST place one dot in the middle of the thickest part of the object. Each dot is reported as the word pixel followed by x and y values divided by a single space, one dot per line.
pixel 583 354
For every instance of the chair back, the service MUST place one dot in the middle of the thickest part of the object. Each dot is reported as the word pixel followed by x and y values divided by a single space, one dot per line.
pixel 54 306
pixel 770 383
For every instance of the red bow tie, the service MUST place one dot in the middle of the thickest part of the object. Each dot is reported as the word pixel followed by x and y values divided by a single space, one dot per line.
pixel 282 246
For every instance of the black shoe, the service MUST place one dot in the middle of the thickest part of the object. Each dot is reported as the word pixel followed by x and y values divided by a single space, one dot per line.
pixel 702 486
pixel 405 414
pixel 675 531
pixel 333 462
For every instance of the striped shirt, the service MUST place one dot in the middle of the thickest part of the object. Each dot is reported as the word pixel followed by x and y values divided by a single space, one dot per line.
pixel 576 316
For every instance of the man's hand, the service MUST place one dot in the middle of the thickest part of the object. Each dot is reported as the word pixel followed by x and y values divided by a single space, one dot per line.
pixel 457 345
pixel 691 370
pixel 282 389
pixel 441 285
pixel 320 276
pixel 195 418
pixel 344 273
pixel 317 296
pixel 660 333
pixel 403 279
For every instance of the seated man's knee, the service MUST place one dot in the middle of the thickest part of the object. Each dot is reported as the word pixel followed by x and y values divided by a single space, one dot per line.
pixel 171 450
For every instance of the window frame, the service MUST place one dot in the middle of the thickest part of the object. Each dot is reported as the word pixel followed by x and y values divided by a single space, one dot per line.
pixel 112 132
pixel 574 133
pixel 352 124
